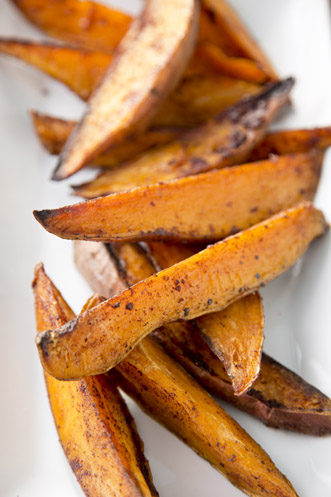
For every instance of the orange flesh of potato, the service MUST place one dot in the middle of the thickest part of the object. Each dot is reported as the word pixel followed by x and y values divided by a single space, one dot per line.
pixel 280 398
pixel 208 206
pixel 226 140
pixel 80 70
pixel 166 392
pixel 89 25
pixel 132 90
pixel 96 430
pixel 207 282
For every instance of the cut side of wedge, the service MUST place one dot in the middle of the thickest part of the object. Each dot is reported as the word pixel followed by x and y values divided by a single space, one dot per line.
pixel 207 206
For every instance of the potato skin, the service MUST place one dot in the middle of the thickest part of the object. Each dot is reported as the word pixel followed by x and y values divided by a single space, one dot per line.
pixel 96 430
pixel 240 265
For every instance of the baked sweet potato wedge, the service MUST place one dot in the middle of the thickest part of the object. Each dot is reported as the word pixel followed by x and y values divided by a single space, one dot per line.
pixel 167 393
pixel 280 398
pixel 220 24
pixel 80 70
pixel 132 90
pixel 235 334
pixel 96 430
pixel 89 25
pixel 100 338
pixel 207 206
pixel 292 141
pixel 222 142
pixel 235 67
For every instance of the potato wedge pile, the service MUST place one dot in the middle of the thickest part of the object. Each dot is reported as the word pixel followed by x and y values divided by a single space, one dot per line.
pixel 194 208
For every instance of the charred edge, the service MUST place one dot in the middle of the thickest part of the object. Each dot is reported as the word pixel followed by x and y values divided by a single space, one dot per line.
pixel 272 403
pixel 118 262
pixel 43 216
pixel 308 389
pixel 248 104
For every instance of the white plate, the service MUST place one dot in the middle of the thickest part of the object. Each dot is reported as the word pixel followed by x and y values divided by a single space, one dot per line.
pixel 296 36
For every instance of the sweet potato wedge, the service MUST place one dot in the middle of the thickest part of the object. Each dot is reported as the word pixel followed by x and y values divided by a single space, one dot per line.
pixel 220 24
pixel 132 90
pixel 280 398
pixel 80 70
pixel 96 430
pixel 207 206
pixel 166 392
pixel 292 141
pixel 99 339
pixel 235 67
pixel 90 25
pixel 235 334
pixel 222 142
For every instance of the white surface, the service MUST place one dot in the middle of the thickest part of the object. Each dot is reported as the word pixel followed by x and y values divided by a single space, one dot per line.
pixel 296 35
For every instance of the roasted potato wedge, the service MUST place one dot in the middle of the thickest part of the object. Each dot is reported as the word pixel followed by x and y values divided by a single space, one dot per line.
pixel 96 430
pixel 280 398
pixel 90 25
pixel 132 90
pixel 220 24
pixel 222 142
pixel 292 141
pixel 207 206
pixel 100 338
pixel 80 70
pixel 235 67
pixel 166 392
pixel 235 334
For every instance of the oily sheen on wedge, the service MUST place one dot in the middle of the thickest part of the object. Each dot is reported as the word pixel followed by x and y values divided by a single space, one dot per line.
pixel 80 70
pixel 96 430
pixel 208 206
pixel 226 140
pixel 133 88
pixel 280 398
pixel 235 334
pixel 171 396
pixel 207 282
